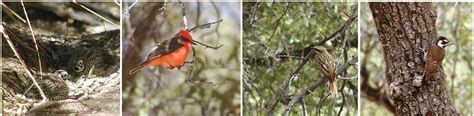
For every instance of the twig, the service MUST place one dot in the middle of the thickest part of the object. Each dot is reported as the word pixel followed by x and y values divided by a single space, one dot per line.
pixel 303 106
pixel 313 86
pixel 348 22
pixel 343 97
pixel 305 60
pixel 12 46
pixel 218 15
pixel 207 46
pixel 190 71
pixel 347 78
pixel 165 4
pixel 190 79
pixel 33 35
pixel 183 11
pixel 346 36
pixel 252 19
pixel 207 25
pixel 198 13
pixel 118 3
pixel 89 10
pixel 305 51
pixel 278 23
pixel 13 12
pixel 321 102
pixel 131 6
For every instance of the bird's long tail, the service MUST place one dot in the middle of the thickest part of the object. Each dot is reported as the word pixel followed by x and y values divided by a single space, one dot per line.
pixel 137 68
pixel 332 79
pixel 333 87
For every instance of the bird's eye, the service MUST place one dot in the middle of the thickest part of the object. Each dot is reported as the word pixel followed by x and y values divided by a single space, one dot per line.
pixel 63 76
pixel 79 66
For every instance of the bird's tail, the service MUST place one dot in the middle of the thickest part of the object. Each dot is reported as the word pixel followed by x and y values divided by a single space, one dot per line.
pixel 332 78
pixel 137 68
pixel 333 87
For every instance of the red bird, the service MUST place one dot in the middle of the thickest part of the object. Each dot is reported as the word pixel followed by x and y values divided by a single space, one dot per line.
pixel 170 54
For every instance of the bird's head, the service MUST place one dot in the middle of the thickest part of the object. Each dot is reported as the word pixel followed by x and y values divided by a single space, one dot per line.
pixel 443 42
pixel 62 74
pixel 185 34
pixel 319 49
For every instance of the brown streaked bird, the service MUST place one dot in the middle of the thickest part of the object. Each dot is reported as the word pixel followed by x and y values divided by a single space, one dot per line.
pixel 54 85
pixel 325 65
pixel 81 62
pixel 434 57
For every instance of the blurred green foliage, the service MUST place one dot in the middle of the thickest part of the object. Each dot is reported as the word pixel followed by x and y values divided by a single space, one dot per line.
pixel 165 91
pixel 300 25
pixel 455 22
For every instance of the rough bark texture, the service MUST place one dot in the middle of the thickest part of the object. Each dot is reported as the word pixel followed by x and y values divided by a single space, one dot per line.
pixel 405 30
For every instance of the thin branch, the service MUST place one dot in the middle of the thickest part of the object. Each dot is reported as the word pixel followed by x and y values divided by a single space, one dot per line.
pixel 278 23
pixel 190 71
pixel 315 85
pixel 206 25
pixel 343 97
pixel 165 4
pixel 183 11
pixel 190 79
pixel 131 6
pixel 348 22
pixel 303 106
pixel 117 2
pixel 321 102
pixel 252 18
pixel 283 89
pixel 218 15
pixel 347 78
pixel 198 12
pixel 207 46
pixel 33 35
pixel 306 51
pixel 13 12
pixel 101 17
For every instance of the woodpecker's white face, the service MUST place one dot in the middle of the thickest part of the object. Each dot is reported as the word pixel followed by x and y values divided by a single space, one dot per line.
pixel 442 42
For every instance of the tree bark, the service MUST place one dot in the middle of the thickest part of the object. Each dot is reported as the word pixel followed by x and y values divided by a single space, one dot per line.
pixel 406 30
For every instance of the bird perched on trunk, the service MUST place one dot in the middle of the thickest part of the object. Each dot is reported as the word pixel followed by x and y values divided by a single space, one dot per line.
pixel 326 66
pixel 435 56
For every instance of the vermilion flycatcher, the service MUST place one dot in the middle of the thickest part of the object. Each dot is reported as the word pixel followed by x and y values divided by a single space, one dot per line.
pixel 170 54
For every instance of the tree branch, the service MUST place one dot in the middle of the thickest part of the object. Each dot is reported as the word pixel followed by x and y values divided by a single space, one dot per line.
pixel 301 52
pixel 315 85
pixel 283 90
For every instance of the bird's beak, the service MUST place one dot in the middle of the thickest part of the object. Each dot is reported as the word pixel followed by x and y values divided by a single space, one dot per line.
pixel 450 44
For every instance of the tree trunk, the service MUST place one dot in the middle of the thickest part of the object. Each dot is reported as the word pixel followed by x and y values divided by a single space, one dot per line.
pixel 405 31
